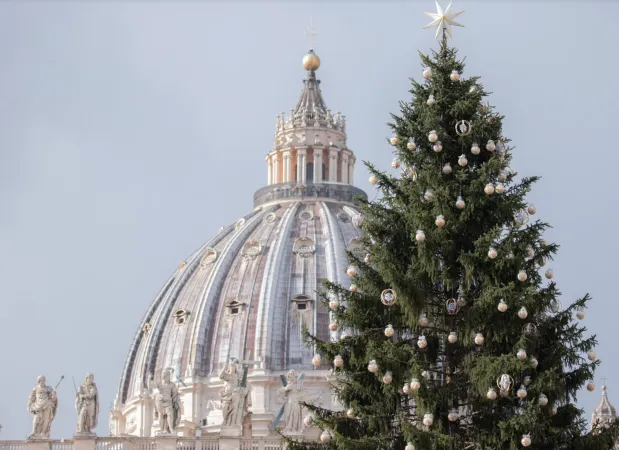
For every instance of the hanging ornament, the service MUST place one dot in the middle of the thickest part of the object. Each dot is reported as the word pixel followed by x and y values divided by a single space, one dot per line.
pixel 505 383
pixel 316 360
pixel 460 203
pixel 453 415
pixel 427 73
pixel 389 330
pixel 463 128
pixel 388 297
pixel 542 400
pixel 333 325
pixel 428 419
pixel 522 275
pixel 395 140
pixel 475 149
pixel 533 362
pixel 431 101
pixel 452 338
pixel 353 288
pixel 325 437
pixel 350 413
pixel 440 221
pixel 480 339
pixel 338 361
pixel 438 147
pixel 491 394
pixel 411 144
pixel 521 354
pixel 462 161
pixel 372 366
pixel 499 189
pixel 530 329
pixel 492 253
pixel 522 392
pixel 532 209
pixel 423 320
pixel 395 163
pixel 523 313
pixel 592 356
pixel 549 274
pixel 351 271
pixel 412 171
pixel 530 253
pixel 502 175
pixel 509 256
pixel 415 384
pixel 373 180
pixel 527 380
pixel 428 195
pixel 422 342
pixel 387 378
pixel 490 146
pixel 555 305
pixel 406 388
pixel 590 387
pixel 447 169
pixel 333 303
pixel 580 314
pixel 409 446
pixel 433 137
pixel 489 189
pixel 454 76
pixel 521 218
pixel 420 236
pixel 526 440
pixel 308 421
pixel 502 306
pixel 452 306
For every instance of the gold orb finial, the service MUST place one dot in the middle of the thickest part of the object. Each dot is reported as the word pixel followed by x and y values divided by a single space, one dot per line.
pixel 311 61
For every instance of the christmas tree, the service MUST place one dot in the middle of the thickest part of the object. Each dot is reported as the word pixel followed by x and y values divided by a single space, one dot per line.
pixel 452 334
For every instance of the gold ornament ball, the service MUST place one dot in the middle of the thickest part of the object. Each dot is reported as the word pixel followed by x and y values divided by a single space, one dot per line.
pixel 447 169
pixel 311 61
pixel 333 303
pixel 533 362
pixel 431 101
pixel 491 394
pixel 422 342
pixel 440 221
pixel 549 274
pixel 394 140
pixel 373 180
pixel 580 315
pixel 428 419
pixel 532 209
pixel 454 76
pixel 438 147
pixel 522 275
pixel 590 387
pixel 372 366
pixel 489 189
pixel 333 326
pixel 351 271
pixel 502 306
pixel 338 361
pixel 415 384
pixel 307 421
pixel 387 378
pixel 406 388
pixel 353 288
pixel 409 446
pixel 395 163
pixel 475 149
pixel 427 73
pixel 460 203
pixel 420 236
pixel 592 356
pixel 500 188
pixel 522 354
pixel 492 253
pixel 522 392
pixel 491 146
pixel 411 144
pixel 351 413
pixel 433 137
pixel 462 161
pixel 389 330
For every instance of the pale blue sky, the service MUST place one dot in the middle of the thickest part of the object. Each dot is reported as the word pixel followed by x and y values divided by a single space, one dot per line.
pixel 131 132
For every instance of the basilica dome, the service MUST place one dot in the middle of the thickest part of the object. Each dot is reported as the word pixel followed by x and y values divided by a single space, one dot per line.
pixel 247 293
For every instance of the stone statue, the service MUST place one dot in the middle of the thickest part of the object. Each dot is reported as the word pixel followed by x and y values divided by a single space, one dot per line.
pixel 42 404
pixel 234 396
pixel 167 404
pixel 294 394
pixel 87 405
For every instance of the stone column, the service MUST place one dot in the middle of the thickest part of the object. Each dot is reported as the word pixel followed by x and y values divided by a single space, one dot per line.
pixel 275 169
pixel 318 165
pixel 344 168
pixel 287 161
pixel 332 165
pixel 269 170
pixel 301 164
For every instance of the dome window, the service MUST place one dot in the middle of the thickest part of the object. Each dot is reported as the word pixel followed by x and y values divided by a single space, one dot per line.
pixel 301 302
pixel 234 308
pixel 180 316
pixel 304 247
pixel 306 215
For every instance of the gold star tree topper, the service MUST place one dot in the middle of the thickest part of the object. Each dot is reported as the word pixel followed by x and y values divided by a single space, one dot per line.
pixel 443 20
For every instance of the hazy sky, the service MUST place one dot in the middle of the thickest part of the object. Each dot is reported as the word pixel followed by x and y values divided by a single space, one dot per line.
pixel 131 132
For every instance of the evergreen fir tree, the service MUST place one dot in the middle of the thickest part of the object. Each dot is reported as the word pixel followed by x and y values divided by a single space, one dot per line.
pixel 452 333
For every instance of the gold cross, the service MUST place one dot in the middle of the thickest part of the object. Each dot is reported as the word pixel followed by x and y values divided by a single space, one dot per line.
pixel 311 33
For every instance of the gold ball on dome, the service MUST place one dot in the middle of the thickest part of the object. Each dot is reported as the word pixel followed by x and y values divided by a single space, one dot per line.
pixel 311 61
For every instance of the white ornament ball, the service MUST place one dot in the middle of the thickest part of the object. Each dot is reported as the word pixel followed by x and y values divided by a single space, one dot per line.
pixel 316 360
pixel 492 253
pixel 427 73
pixel 422 342
pixel 452 416
pixel 409 446
pixel 431 101
pixel 522 275
pixel 527 380
pixel 522 392
pixel 389 331
pixel 353 288
pixel 554 411
pixel 500 188
pixel 532 209
pixel 526 440
pixel 454 76
pixel 533 362
pixel 523 313
pixel 433 137
pixel 592 356
pixel 308 421
pixel 423 320
pixel 462 161
pixel 428 419
pixel 460 203
pixel 351 271
pixel 338 361
pixel 480 339
pixel 333 326
pixel 590 387
pixel 406 388
pixel 503 175
pixel 438 147
pixel 475 149
pixel 502 306
pixel 420 236
pixel 373 180
pixel 395 140
pixel 510 255
pixel 447 169
pixel 372 366
pixel 489 189
pixel 415 384
pixel 491 146
pixel 428 195
pixel 411 144
pixel 542 400
pixel 491 394
pixel 387 378
pixel 452 338
pixel 395 163
pixel 580 315
pixel 530 252
pixel 440 221
pixel 325 437
pixel 333 304
pixel 351 413
pixel 549 274
pixel 522 354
